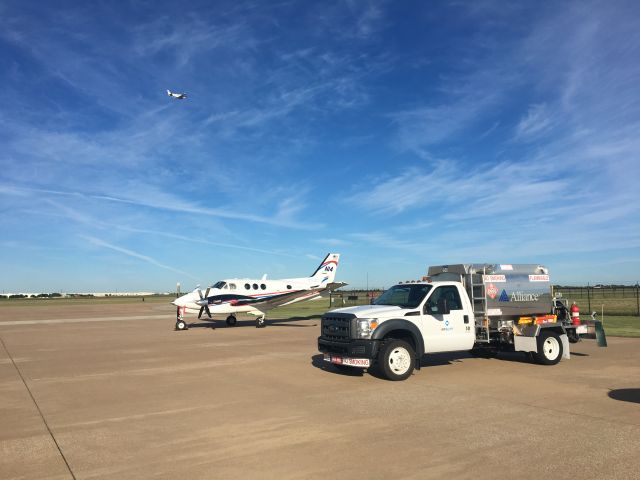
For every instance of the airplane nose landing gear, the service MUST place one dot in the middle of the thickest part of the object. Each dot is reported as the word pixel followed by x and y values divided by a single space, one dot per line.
pixel 260 322
pixel 180 323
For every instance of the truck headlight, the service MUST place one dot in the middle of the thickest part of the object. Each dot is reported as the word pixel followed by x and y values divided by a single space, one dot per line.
pixel 365 327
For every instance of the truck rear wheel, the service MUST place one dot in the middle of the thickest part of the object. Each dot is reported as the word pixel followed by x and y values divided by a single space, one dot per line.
pixel 396 360
pixel 549 348
pixel 573 336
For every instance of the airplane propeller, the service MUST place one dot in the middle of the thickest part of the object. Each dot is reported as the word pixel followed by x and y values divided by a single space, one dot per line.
pixel 204 302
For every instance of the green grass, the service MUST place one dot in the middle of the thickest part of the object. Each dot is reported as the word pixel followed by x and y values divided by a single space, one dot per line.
pixel 615 302
pixel 310 309
pixel 621 326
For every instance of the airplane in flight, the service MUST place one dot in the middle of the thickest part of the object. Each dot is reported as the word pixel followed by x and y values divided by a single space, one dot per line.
pixel 256 297
pixel 179 96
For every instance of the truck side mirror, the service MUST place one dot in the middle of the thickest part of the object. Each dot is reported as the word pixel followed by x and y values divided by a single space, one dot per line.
pixel 443 307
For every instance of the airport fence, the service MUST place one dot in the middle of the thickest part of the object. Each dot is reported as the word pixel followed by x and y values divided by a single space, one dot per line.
pixel 619 300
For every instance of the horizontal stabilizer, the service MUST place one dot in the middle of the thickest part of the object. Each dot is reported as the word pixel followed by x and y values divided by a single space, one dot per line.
pixel 331 288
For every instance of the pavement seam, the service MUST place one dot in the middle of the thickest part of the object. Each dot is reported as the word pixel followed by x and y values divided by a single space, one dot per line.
pixel 79 320
pixel 38 408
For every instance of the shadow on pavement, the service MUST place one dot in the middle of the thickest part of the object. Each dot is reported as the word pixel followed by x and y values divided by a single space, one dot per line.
pixel 283 322
pixel 626 395
pixel 318 362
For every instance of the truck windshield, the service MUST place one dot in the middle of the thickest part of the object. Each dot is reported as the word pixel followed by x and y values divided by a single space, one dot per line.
pixel 405 296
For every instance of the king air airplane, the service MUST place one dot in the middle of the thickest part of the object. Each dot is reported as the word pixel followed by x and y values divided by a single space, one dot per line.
pixel 246 295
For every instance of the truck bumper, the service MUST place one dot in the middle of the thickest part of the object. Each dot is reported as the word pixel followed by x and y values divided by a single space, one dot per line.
pixel 353 348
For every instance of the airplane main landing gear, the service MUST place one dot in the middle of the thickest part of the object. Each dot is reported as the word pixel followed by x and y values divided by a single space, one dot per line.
pixel 260 322
pixel 231 320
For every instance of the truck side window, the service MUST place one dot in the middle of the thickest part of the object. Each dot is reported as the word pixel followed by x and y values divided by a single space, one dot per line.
pixel 448 293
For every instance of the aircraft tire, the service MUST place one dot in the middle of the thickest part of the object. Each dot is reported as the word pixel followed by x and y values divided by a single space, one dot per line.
pixel 260 323
pixel 181 325
pixel 231 320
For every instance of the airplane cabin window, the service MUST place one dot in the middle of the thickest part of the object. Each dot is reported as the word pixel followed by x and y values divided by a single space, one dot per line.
pixel 255 286
pixel 232 286
pixel 247 286
pixel 288 287
pixel 263 286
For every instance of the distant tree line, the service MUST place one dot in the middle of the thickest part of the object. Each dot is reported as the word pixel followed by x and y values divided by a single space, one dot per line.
pixel 40 295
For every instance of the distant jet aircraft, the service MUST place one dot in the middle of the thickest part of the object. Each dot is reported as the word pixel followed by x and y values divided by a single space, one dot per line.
pixel 245 295
pixel 179 96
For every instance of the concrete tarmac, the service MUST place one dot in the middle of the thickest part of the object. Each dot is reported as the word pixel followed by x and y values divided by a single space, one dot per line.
pixel 114 392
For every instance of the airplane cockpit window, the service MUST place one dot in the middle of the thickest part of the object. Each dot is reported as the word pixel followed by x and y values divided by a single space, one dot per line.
pixel 255 286
pixel 232 286
pixel 263 286
pixel 220 285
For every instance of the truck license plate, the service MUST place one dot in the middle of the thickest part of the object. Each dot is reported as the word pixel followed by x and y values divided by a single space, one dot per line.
pixel 581 330
pixel 351 362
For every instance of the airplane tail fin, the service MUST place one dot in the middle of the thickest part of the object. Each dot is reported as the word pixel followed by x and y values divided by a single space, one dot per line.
pixel 169 92
pixel 326 271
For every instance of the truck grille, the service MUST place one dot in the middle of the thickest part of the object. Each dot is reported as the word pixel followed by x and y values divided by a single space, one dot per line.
pixel 337 326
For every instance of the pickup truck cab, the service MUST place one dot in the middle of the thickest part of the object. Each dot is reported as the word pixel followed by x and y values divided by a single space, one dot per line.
pixel 401 325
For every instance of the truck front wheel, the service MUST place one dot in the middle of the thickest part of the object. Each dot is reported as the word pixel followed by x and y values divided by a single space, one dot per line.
pixel 396 359
pixel 549 348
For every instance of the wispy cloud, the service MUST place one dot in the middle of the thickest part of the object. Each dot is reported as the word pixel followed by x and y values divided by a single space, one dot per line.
pixel 125 251
pixel 156 199
pixel 537 120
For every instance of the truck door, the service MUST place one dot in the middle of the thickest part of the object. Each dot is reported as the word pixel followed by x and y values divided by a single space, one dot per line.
pixel 446 332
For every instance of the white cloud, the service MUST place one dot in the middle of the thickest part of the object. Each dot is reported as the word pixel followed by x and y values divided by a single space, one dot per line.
pixel 125 251
pixel 537 120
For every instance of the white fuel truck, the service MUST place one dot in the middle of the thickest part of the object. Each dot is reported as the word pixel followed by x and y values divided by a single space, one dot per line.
pixel 482 308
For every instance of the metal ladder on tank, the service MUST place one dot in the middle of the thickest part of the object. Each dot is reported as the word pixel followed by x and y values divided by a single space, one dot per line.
pixel 478 297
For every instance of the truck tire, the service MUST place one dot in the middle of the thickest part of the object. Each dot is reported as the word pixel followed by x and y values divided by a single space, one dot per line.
pixel 549 348
pixel 396 360
pixel 573 336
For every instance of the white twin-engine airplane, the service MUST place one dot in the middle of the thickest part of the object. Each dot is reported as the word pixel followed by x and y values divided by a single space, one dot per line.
pixel 245 295
pixel 179 96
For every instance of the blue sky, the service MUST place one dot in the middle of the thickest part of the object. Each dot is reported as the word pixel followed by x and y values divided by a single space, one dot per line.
pixel 399 134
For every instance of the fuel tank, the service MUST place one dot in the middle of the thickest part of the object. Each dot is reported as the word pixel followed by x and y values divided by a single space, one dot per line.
pixel 501 290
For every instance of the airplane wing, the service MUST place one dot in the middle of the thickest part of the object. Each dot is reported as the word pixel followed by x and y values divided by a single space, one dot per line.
pixel 298 296
pixel 268 303
pixel 284 299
